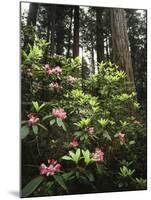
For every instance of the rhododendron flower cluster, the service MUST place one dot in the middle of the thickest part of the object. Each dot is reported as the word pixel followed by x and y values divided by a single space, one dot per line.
pixel 98 156
pixel 33 119
pixel 74 143
pixel 90 130
pixel 53 86
pixel 121 136
pixel 55 70
pixel 59 113
pixel 71 79
pixel 51 169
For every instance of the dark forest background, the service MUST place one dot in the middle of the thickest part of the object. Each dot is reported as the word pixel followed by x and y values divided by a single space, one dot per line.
pixel 95 34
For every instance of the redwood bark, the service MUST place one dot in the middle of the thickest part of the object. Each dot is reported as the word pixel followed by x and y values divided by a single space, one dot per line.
pixel 70 33
pixel 76 32
pixel 120 42
pixel 99 35
pixel 32 15
pixel 53 17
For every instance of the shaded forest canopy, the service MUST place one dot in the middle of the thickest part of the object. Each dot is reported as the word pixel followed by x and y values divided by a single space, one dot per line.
pixel 94 33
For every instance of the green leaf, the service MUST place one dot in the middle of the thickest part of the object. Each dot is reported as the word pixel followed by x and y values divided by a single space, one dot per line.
pixel 66 158
pixel 60 181
pixel 84 179
pixel 86 137
pixel 82 138
pixel 132 142
pixel 77 174
pixel 72 155
pixel 24 131
pixel 86 155
pixel 31 186
pixel 63 126
pixel 77 155
pixel 42 105
pixel 43 127
pixel 59 122
pixel 36 105
pixel 52 122
pixel 103 122
pixel 49 185
pixel 24 122
pixel 106 135
pixel 35 129
pixel 46 117
pixel 68 176
pixel 99 168
pixel 89 176
pixel 78 133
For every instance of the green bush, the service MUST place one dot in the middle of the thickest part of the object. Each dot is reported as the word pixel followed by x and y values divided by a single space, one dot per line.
pixel 87 133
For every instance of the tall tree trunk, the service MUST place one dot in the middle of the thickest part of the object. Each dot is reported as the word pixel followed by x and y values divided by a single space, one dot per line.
pixel 99 35
pixel 120 42
pixel 70 33
pixel 107 48
pixel 60 30
pixel 76 32
pixel 31 21
pixel 92 53
pixel 32 15
pixel 92 57
pixel 48 32
pixel 53 21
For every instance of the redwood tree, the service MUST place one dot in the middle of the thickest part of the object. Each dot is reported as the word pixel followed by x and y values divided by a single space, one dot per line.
pixel 120 42
pixel 31 21
pixel 99 34
pixel 76 32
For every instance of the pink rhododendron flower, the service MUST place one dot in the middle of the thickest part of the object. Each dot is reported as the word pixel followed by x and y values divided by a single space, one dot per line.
pixel 98 156
pixel 90 130
pixel 71 79
pixel 59 113
pixel 43 169
pixel 53 162
pixel 74 143
pixel 51 169
pixel 57 167
pixel 121 136
pixel 33 119
pixel 48 69
pixel 55 70
pixel 54 86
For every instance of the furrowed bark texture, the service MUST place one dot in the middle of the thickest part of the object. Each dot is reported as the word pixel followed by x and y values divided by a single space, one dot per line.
pixel 120 42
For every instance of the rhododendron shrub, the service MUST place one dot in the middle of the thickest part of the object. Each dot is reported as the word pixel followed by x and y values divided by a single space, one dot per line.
pixel 92 129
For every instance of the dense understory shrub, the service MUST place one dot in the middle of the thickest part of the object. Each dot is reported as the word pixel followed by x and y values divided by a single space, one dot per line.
pixel 87 133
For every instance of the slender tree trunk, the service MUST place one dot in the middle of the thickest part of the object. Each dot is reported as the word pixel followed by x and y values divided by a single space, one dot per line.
pixel 60 30
pixel 53 17
pixel 48 33
pixel 110 47
pixel 31 21
pixel 107 48
pixel 92 53
pixel 120 42
pixel 76 32
pixel 70 34
pixel 99 34
pixel 32 15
